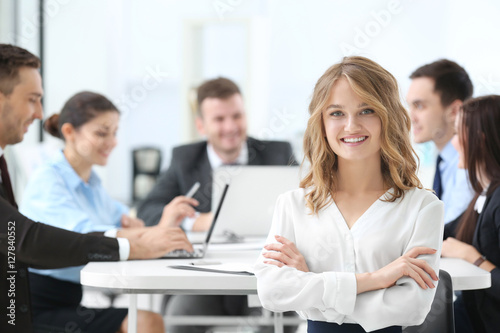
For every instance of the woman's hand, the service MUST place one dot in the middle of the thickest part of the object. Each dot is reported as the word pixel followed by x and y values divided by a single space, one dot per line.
pixel 177 210
pixel 285 253
pixel 454 248
pixel 131 222
pixel 406 265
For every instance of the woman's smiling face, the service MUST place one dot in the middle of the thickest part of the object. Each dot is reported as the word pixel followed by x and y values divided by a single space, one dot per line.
pixel 352 127
pixel 95 140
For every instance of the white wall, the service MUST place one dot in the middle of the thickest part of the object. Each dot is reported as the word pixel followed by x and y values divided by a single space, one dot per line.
pixel 114 47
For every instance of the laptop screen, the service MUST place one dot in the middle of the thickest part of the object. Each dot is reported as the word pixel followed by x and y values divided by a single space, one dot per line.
pixel 251 199
pixel 216 215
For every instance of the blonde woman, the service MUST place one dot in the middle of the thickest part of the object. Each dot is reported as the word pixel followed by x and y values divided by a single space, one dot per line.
pixel 357 247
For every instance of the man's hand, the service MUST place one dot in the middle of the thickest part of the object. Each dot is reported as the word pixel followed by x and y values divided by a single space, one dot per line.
pixel 179 208
pixel 153 242
pixel 203 222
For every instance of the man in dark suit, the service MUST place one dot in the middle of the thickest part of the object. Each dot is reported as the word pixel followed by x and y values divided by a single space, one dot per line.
pixel 25 243
pixel 221 118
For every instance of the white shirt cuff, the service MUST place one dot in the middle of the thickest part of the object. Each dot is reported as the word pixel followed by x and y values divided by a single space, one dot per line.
pixel 342 285
pixel 123 244
pixel 111 233
pixel 124 248
pixel 188 222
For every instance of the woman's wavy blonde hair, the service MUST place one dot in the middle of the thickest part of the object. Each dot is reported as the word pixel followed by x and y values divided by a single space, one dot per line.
pixel 376 87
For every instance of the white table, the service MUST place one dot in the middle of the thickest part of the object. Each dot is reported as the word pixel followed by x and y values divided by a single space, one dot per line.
pixel 154 276
pixel 466 276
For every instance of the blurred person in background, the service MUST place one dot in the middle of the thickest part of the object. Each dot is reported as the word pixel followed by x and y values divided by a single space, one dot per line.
pixel 475 237
pixel 68 192
pixel 37 244
pixel 221 118
pixel 437 91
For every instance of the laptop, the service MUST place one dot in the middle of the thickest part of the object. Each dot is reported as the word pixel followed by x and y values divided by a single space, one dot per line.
pixel 249 205
pixel 199 252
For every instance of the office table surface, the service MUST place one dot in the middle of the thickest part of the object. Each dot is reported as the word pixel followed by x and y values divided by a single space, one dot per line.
pixel 154 276
pixel 464 275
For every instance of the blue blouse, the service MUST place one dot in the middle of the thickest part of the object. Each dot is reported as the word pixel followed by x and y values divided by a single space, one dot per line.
pixel 457 192
pixel 56 195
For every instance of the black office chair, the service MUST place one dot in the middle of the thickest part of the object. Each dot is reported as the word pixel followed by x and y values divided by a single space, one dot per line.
pixel 440 319
pixel 146 163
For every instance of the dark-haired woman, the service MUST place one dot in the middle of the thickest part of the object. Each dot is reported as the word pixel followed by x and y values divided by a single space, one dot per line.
pixel 477 232
pixel 68 192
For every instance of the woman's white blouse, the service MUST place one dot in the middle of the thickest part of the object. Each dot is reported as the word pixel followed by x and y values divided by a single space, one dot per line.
pixel 334 254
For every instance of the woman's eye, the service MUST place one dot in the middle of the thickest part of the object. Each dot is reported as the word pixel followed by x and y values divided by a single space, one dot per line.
pixel 336 113
pixel 367 111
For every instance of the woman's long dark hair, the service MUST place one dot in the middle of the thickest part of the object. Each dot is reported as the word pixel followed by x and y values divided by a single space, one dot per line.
pixel 479 134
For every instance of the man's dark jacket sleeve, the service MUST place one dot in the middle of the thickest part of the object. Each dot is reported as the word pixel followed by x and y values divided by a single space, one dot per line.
pixel 41 246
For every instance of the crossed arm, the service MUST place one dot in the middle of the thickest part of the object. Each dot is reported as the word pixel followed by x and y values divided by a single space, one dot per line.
pixel 285 253
pixel 345 283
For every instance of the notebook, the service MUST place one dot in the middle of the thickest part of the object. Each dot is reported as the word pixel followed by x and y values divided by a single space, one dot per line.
pixel 249 205
pixel 200 252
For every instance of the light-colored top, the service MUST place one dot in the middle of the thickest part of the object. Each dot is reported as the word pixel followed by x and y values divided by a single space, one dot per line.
pixel 215 160
pixel 334 254
pixel 481 200
pixel 457 192
pixel 56 195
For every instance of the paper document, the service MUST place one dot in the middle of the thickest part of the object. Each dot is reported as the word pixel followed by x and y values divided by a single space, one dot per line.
pixel 227 268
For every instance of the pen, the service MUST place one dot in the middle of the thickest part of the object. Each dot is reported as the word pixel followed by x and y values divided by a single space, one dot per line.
pixel 193 190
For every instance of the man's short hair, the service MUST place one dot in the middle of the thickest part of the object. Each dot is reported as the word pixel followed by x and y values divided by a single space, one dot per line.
pixel 451 81
pixel 217 88
pixel 11 59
